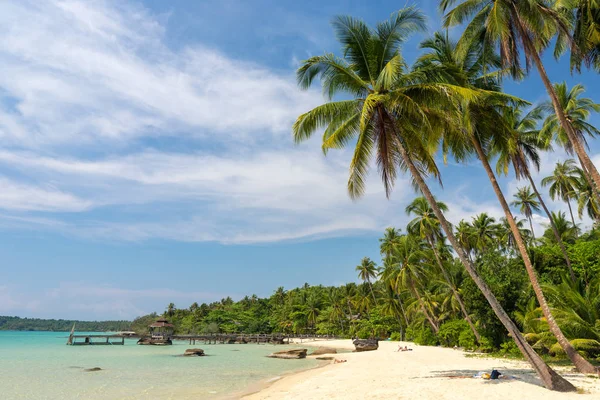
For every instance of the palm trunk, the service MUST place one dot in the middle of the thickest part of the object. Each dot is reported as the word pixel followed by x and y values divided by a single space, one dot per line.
pixel 575 142
pixel 424 310
pixel 549 377
pixel 582 364
pixel 531 227
pixel 553 226
pixel 454 291
pixel 372 293
pixel 595 194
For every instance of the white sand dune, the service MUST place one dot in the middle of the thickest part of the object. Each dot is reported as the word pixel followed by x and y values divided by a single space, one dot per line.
pixel 424 373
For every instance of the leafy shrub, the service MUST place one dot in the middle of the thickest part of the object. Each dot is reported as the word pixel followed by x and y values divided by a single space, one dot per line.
pixel 467 340
pixel 486 345
pixel 510 348
pixel 395 336
pixel 588 348
pixel 423 336
pixel 449 333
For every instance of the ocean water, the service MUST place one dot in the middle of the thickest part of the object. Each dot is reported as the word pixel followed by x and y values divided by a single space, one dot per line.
pixel 38 365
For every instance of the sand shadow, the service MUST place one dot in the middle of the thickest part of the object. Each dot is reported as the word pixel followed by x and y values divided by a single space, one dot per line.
pixel 508 375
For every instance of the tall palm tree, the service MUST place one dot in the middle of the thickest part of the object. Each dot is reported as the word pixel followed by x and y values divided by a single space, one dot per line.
pixel 506 237
pixel 586 32
pixel 396 118
pixel 367 270
pixel 389 276
pixel 388 241
pixel 526 201
pixel 566 230
pixel 515 26
pixel 563 182
pixel 482 123
pixel 586 201
pixel 427 226
pixel 485 231
pixel 465 235
pixel 577 111
pixel 521 150
pixel 411 260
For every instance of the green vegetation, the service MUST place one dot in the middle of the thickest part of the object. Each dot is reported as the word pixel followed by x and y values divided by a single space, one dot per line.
pixel 60 325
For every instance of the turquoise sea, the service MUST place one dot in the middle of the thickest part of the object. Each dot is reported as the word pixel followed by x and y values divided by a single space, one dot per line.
pixel 38 365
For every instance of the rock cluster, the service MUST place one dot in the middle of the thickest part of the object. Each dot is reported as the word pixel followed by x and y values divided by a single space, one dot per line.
pixel 289 354
pixel 323 350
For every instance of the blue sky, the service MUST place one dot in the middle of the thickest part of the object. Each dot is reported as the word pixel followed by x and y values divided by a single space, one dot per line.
pixel 146 155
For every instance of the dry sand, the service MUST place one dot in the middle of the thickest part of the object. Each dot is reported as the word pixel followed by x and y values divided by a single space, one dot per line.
pixel 424 373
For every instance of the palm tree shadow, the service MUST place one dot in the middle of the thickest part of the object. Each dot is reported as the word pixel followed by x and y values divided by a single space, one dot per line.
pixel 508 375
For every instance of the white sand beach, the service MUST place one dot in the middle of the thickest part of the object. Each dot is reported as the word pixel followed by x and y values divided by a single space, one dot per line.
pixel 424 373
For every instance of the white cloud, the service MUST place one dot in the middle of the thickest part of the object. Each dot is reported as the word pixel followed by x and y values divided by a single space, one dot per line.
pixel 17 196
pixel 78 71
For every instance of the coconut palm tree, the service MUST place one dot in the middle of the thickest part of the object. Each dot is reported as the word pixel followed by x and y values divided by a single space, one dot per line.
pixel 586 32
pixel 577 111
pixel 566 230
pixel 411 260
pixel 515 27
pixel 585 197
pixel 388 241
pixel 397 119
pixel 522 150
pixel 485 232
pixel 367 270
pixel 171 309
pixel 482 123
pixel 563 182
pixel 465 235
pixel 526 201
pixel 427 226
pixel 506 237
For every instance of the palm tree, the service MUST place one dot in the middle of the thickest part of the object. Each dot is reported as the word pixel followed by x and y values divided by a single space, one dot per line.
pixel 585 197
pixel 526 201
pixel 563 182
pixel 506 237
pixel 396 118
pixel 516 26
pixel 367 270
pixel 466 237
pixel 171 309
pixel 482 123
pixel 411 260
pixel 485 231
pixel 389 276
pixel 567 232
pixel 427 226
pixel 388 241
pixel 586 33
pixel 577 111
pixel 521 150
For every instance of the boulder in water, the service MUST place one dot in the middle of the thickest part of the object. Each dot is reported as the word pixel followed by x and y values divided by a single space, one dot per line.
pixel 194 352
pixel 289 354
pixel 93 369
pixel 323 350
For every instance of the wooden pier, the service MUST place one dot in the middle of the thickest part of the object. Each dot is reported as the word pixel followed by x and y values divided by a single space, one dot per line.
pixel 239 338
pixel 96 340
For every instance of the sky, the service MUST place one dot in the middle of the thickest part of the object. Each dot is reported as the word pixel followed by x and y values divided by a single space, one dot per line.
pixel 146 155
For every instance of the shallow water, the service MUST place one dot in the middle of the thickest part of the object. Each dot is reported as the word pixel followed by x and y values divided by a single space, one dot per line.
pixel 38 365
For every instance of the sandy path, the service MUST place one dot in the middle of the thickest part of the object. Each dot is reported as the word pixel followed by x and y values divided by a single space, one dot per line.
pixel 418 374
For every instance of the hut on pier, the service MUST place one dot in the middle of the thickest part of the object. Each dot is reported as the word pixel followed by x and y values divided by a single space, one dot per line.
pixel 161 333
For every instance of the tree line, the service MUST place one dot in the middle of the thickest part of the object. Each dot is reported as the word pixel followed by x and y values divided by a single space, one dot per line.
pixel 60 325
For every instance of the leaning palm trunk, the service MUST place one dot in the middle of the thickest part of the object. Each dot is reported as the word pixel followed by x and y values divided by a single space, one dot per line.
pixel 573 139
pixel 434 326
pixel 551 379
pixel 595 195
pixel 582 364
pixel 553 226
pixel 463 309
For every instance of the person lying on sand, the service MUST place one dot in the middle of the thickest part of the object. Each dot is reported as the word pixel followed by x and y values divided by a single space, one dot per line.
pixel 405 348
pixel 339 361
